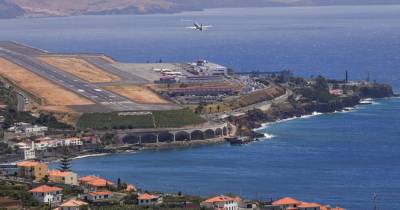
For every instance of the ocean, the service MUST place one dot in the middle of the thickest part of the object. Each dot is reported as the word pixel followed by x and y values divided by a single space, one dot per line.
pixel 339 159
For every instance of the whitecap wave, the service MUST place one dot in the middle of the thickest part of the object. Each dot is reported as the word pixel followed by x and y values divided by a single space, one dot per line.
pixel 92 155
pixel 269 136
pixel 369 101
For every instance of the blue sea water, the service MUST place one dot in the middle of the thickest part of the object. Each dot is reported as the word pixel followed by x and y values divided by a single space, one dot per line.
pixel 338 158
pixel 308 40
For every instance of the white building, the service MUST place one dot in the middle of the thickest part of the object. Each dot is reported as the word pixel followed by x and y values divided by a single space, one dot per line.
pixel 203 67
pixel 72 142
pixel 47 194
pixel 222 203
pixel 97 196
pixel 33 129
pixel 146 199
pixel 28 152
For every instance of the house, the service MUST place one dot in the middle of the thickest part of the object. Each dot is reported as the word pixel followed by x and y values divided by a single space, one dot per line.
pixel 98 196
pixel 63 177
pixel 47 194
pixel 131 188
pixel 72 142
pixel 8 169
pixel 27 152
pixel 146 199
pixel 94 183
pixel 293 204
pixel 287 203
pixel 32 169
pixel 72 205
pixel 222 203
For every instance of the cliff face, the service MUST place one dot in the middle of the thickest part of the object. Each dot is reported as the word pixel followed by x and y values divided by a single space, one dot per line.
pixel 291 108
pixel 376 91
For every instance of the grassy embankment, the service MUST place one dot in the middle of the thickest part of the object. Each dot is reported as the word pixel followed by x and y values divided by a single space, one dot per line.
pixel 158 119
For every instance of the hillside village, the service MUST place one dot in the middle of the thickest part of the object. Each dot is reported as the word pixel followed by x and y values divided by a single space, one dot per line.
pixel 32 185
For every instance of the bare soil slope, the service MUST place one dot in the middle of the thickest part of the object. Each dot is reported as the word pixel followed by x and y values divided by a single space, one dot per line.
pixel 80 68
pixel 50 93
pixel 138 94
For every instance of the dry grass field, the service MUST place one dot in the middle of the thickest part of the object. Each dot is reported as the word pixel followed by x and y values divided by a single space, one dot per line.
pixel 138 94
pixel 80 68
pixel 51 94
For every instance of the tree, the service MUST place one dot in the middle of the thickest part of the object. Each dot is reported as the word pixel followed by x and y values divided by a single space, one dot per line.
pixel 45 179
pixel 119 183
pixel 65 162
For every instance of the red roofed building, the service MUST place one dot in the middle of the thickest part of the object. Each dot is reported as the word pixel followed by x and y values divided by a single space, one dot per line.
pixel 293 204
pixel 32 169
pixel 98 196
pixel 47 194
pixel 287 203
pixel 146 199
pixel 222 203
pixel 94 183
pixel 73 205
pixel 309 206
pixel 131 188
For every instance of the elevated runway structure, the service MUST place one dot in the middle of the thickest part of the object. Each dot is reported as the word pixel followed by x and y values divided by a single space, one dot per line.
pixel 105 101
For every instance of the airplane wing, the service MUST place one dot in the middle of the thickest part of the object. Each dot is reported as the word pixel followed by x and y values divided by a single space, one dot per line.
pixel 191 27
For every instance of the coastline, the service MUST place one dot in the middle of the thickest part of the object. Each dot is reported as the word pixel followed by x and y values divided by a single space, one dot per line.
pixel 189 144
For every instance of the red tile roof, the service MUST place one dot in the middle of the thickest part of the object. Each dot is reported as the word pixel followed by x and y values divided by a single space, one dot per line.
pixel 338 208
pixel 286 201
pixel 147 196
pixel 59 173
pixel 220 198
pixel 309 205
pixel 100 193
pixel 95 181
pixel 130 188
pixel 27 163
pixel 45 189
pixel 73 203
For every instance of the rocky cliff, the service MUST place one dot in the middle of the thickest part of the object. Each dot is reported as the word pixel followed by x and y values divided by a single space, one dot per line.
pixel 292 108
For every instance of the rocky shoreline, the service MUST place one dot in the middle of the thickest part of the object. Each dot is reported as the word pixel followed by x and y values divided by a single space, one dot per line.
pixel 253 119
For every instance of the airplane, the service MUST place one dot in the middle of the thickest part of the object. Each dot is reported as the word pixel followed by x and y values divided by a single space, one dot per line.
pixel 199 27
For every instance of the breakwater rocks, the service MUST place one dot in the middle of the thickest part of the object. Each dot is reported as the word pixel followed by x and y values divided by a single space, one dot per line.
pixel 291 108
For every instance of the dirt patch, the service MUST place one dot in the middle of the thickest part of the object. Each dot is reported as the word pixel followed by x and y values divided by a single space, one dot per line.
pixel 138 94
pixel 80 68
pixel 9 203
pixel 50 93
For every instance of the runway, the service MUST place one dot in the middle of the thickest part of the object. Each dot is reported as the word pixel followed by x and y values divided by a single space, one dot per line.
pixel 25 57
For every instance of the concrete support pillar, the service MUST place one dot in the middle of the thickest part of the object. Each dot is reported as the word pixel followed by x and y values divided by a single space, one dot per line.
pixel 157 138
pixel 174 134
pixel 140 139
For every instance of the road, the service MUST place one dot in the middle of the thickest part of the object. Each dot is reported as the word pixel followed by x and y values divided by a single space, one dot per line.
pixel 264 106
